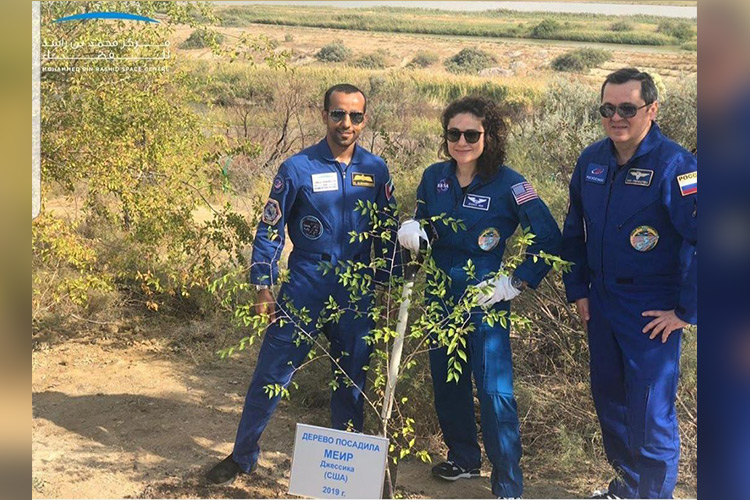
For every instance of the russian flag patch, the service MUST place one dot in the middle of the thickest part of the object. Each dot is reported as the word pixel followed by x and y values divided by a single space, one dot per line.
pixel 688 183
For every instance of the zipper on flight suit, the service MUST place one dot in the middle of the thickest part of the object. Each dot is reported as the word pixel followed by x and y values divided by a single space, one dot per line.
pixel 606 215
pixel 345 215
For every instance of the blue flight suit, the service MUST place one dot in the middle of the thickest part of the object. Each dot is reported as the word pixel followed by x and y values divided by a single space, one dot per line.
pixel 314 197
pixel 631 232
pixel 491 209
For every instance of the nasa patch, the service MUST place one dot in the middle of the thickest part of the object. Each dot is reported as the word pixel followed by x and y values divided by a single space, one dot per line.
pixel 489 239
pixel 639 177
pixel 271 212
pixel 311 227
pixel 442 186
pixel 644 238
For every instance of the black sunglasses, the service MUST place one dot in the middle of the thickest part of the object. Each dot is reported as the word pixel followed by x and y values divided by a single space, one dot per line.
pixel 337 115
pixel 471 136
pixel 625 110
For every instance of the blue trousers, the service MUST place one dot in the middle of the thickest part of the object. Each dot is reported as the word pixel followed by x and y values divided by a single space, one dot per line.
pixel 489 360
pixel 634 386
pixel 280 355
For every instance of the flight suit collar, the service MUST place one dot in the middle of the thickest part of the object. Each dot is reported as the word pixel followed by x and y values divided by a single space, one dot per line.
pixel 652 139
pixel 324 152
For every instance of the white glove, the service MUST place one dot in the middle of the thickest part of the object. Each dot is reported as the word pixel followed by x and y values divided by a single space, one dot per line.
pixel 410 233
pixel 501 290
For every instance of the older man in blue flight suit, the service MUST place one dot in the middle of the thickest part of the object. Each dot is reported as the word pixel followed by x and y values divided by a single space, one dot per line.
pixel 314 196
pixel 631 232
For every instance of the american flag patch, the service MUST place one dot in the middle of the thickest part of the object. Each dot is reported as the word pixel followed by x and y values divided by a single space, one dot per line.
pixel 523 192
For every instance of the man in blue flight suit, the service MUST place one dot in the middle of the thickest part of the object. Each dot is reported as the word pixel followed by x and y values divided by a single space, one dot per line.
pixel 492 200
pixel 314 196
pixel 631 232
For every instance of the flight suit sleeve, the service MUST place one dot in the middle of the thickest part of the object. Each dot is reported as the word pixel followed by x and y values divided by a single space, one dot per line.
pixel 387 215
pixel 535 217
pixel 680 198
pixel 577 280
pixel 270 237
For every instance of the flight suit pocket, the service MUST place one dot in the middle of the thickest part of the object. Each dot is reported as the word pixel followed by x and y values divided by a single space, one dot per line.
pixel 638 211
pixel 498 362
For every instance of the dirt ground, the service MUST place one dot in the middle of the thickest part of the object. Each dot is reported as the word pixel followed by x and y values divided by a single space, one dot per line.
pixel 528 59
pixel 133 413
pixel 128 415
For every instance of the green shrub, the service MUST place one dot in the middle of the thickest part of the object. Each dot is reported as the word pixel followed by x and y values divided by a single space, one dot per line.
pixel 691 46
pixel 335 51
pixel 201 39
pixel 424 59
pixel 678 112
pixel 622 26
pixel 376 60
pixel 581 59
pixel 469 60
pixel 548 28
pixel 288 37
pixel 681 30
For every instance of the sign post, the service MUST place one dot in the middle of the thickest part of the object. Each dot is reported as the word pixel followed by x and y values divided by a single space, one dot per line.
pixel 328 463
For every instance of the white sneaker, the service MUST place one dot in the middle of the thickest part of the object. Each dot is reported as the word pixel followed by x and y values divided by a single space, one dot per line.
pixel 603 494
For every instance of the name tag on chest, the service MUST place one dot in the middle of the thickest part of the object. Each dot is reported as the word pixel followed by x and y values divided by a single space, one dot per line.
pixel 639 177
pixel 325 182
pixel 477 202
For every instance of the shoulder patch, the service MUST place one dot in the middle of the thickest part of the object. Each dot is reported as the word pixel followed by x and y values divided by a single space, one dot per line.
pixel 278 184
pixel 389 189
pixel 688 183
pixel 523 192
pixel 271 212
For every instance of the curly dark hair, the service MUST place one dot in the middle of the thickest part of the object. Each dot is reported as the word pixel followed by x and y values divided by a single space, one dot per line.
pixel 495 131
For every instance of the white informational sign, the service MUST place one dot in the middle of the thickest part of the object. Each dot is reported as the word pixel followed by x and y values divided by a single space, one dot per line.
pixel 336 464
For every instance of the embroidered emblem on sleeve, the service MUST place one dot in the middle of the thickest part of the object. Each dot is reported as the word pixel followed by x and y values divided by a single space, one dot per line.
pixel 523 192
pixel 688 183
pixel 271 212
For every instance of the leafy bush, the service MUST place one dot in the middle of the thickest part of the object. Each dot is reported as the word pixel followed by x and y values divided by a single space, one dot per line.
pixel 376 60
pixel 423 59
pixel 581 59
pixel 691 46
pixel 202 38
pixel 622 26
pixel 681 30
pixel 678 112
pixel 469 60
pixel 335 51
pixel 288 37
pixel 548 28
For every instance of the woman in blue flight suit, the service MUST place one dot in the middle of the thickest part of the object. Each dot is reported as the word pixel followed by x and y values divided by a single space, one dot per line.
pixel 492 200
